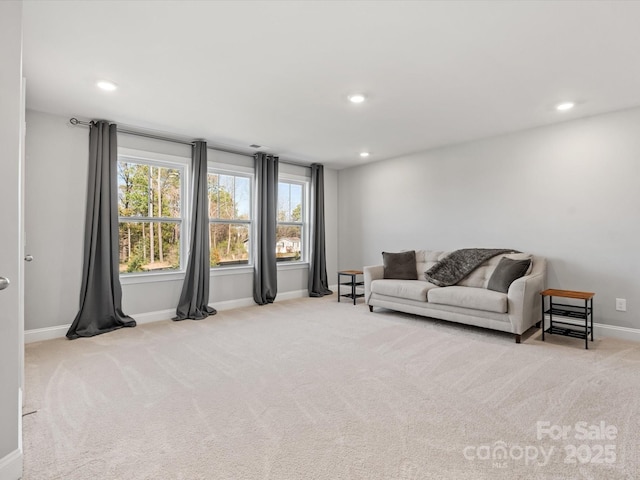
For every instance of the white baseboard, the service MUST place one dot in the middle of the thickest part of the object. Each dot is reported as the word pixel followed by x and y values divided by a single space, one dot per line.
pixel 292 294
pixel 11 466
pixel 603 330
pixel 150 317
pixel 59 331
pixel 47 333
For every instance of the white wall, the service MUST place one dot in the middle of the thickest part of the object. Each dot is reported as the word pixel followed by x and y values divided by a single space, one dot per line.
pixel 55 194
pixel 568 192
pixel 56 173
pixel 10 238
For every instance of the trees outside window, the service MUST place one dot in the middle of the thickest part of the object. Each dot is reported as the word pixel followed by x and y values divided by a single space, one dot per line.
pixel 150 215
pixel 229 218
pixel 290 231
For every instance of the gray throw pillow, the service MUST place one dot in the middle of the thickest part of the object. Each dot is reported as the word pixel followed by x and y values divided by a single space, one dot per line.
pixel 506 272
pixel 400 266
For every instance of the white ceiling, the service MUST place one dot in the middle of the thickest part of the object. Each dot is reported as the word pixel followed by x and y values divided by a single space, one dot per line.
pixel 277 73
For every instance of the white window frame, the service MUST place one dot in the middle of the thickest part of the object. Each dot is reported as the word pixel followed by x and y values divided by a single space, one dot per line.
pixel 238 171
pixel 305 237
pixel 168 161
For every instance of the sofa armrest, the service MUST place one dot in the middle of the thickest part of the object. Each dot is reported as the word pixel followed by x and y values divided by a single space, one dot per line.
pixel 524 301
pixel 371 273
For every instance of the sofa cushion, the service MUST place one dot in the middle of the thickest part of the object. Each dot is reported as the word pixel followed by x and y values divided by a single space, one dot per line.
pixel 522 256
pixel 425 259
pixel 411 289
pixel 401 266
pixel 506 272
pixel 469 297
pixel 480 277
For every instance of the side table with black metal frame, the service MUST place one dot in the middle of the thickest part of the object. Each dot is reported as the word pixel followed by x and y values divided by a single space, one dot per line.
pixel 571 311
pixel 353 283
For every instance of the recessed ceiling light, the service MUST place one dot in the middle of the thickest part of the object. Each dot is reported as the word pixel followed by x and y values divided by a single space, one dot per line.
pixel 364 154
pixel 106 85
pixel 563 107
pixel 356 98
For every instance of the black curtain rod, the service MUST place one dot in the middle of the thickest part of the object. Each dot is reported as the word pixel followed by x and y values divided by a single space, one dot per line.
pixel 74 121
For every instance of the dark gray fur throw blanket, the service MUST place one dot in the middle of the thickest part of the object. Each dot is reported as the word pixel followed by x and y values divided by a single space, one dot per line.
pixel 457 265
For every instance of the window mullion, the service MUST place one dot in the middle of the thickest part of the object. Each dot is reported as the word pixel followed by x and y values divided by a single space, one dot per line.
pixel 216 220
pixel 150 219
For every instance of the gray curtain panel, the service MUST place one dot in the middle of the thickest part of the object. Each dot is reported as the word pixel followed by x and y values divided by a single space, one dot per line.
pixel 101 292
pixel 194 299
pixel 265 275
pixel 318 282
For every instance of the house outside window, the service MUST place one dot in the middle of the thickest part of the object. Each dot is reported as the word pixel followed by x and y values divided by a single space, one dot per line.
pixel 291 231
pixel 230 217
pixel 151 215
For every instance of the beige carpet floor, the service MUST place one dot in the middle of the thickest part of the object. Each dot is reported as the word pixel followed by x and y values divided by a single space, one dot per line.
pixel 315 389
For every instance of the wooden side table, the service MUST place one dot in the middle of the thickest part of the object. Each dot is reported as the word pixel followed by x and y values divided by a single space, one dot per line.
pixel 573 311
pixel 352 282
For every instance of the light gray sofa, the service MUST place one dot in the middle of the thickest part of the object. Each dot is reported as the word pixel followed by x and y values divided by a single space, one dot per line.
pixel 469 301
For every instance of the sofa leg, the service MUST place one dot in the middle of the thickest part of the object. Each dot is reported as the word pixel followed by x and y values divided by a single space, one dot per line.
pixel 518 338
pixel 371 308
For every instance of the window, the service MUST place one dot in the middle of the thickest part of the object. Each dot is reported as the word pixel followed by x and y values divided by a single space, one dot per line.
pixel 151 215
pixel 290 231
pixel 229 218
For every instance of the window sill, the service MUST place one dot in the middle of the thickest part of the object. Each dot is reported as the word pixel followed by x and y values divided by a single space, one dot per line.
pixel 137 278
pixel 245 269
pixel 223 271
pixel 292 265
pixel 134 278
